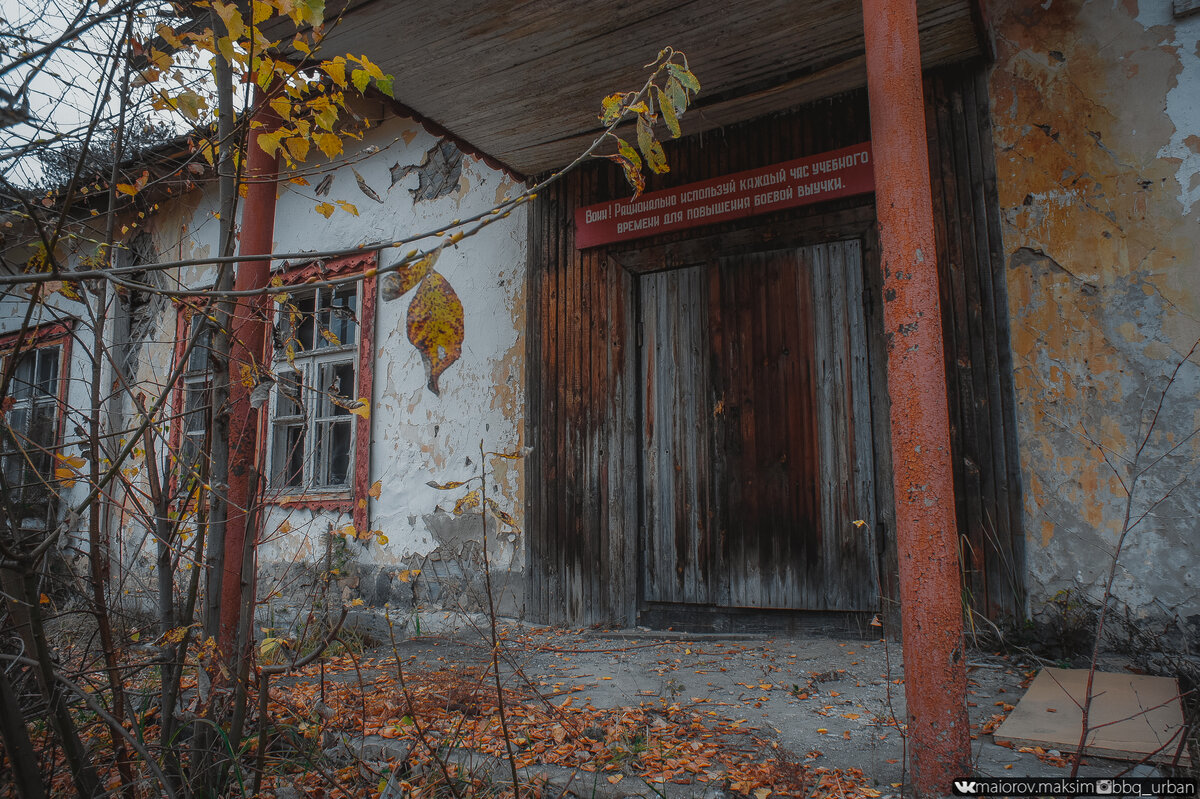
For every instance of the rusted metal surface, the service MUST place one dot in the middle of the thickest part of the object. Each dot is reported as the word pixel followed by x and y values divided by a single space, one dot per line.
pixel 247 351
pixel 926 531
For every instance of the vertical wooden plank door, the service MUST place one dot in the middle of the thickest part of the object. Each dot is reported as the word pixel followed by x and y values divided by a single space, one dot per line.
pixel 756 432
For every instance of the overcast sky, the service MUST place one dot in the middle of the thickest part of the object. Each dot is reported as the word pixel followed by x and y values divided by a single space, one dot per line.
pixel 62 88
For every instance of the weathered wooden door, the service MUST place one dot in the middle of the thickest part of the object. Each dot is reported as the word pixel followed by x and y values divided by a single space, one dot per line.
pixel 756 432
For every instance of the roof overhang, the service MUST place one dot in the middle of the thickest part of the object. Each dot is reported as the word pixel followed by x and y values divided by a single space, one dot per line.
pixel 522 81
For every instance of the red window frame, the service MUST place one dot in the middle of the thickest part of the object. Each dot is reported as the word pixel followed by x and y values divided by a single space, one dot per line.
pixel 50 334
pixel 183 325
pixel 353 501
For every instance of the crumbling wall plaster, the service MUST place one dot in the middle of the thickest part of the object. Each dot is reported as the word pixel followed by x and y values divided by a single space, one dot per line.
pixel 419 437
pixel 416 555
pixel 1097 134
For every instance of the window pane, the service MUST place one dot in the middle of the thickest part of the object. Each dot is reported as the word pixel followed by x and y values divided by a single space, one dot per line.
pixel 43 429
pixel 189 458
pixel 333 452
pixel 288 457
pixel 41 437
pixel 198 357
pixel 337 383
pixel 29 449
pixel 47 371
pixel 337 315
pixel 18 420
pixel 305 308
pixel 14 446
pixel 289 398
pixel 23 376
pixel 13 462
pixel 29 436
pixel 195 406
pixel 196 399
pixel 313 431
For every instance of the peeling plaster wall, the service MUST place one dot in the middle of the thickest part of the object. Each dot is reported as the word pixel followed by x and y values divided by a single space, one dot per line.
pixel 184 228
pixel 417 436
pixel 1096 113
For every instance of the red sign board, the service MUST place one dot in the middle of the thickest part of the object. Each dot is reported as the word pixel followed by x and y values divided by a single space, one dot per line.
pixel 813 179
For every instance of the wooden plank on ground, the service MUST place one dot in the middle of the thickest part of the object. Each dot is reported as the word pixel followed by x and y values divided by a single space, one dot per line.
pixel 1132 716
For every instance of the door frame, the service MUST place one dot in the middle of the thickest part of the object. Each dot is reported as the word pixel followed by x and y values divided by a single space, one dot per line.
pixel 761 235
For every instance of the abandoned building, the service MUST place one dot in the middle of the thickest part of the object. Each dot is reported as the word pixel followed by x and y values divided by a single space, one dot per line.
pixel 695 382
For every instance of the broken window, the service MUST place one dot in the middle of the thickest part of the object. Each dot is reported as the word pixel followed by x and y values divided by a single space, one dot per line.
pixel 29 437
pixel 316 386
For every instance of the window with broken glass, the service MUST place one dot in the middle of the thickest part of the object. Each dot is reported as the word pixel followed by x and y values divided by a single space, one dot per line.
pixel 29 438
pixel 316 355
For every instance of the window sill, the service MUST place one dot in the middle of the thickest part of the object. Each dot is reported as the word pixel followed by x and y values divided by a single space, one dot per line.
pixel 339 502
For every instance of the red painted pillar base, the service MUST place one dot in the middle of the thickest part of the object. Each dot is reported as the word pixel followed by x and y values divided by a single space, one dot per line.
pixel 927 534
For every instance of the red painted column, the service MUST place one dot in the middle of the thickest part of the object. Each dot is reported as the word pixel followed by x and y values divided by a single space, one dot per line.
pixel 926 531
pixel 250 320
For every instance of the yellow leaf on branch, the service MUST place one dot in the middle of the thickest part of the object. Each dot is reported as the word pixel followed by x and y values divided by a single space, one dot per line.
pixel 260 12
pixel 373 70
pixel 336 70
pixel 167 34
pixel 225 48
pixel 270 646
pixel 297 147
pixel 282 106
pixel 232 17
pixel 330 143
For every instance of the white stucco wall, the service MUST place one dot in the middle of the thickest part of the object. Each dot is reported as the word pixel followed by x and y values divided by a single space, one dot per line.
pixel 416 436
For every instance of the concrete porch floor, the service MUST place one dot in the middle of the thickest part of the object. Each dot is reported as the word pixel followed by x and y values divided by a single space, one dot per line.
pixel 816 700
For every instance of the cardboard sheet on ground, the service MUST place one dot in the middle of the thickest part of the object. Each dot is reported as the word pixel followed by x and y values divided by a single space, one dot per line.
pixel 1131 716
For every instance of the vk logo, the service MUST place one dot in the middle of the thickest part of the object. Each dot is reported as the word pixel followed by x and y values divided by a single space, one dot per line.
pixel 964 788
